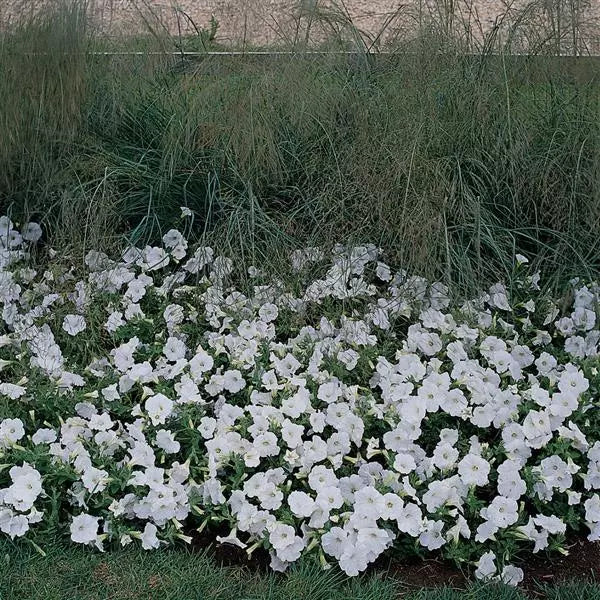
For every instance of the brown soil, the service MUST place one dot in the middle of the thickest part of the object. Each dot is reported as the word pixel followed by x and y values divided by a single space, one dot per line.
pixel 228 555
pixel 581 564
pixel 417 573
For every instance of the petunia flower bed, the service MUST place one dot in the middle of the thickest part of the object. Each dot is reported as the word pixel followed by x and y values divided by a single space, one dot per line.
pixel 357 412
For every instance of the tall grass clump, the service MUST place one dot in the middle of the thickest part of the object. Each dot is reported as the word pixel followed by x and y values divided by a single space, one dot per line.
pixel 451 152
pixel 43 78
pixel 44 84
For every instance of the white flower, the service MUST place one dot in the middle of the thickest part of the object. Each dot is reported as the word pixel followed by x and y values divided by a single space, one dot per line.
pixel 173 315
pixel 114 321
pixel 445 456
pixel 353 561
pixel 393 507
pixel 349 358
pixel 153 258
pixel 175 242
pixel 329 498
pixel 429 343
pixel 26 487
pixel 511 575
pixel 573 382
pixel 510 483
pixel 486 567
pixel 159 408
pixel 432 537
pixel 536 427
pixel 12 524
pixel 201 363
pixel 321 477
pixel 266 444
pixel 474 470
pixel 44 436
pixel 592 509
pixel 84 529
pixel 166 441
pixel 12 391
pixel 110 393
pixel 552 524
pixel 369 502
pixel 329 391
pixel 299 413
pixel 335 542
pixel 174 349
pixel 499 297
pixel 231 539
pixel 94 480
pixel 11 431
pixel 301 504
pixel 148 537
pixel 404 463
pixel 501 512
pixel 74 324
pixel 202 256
pixel 281 536
pixel 100 422
pixel 270 496
pixel 562 405
pixel 207 427
pixel 233 381
pixel 31 232
pixel 287 366
pixel 268 312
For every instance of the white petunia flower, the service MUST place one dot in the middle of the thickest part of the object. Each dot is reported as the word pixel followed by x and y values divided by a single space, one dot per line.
pixel 84 529
pixel 148 537
pixel 11 431
pixel 159 408
pixel 74 324
pixel 12 391
pixel 511 575
pixel 166 441
pixel 486 567
pixel 474 470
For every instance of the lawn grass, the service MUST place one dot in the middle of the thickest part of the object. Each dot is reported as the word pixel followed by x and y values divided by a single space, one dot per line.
pixel 178 574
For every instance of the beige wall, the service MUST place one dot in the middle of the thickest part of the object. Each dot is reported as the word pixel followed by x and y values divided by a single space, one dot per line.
pixel 265 21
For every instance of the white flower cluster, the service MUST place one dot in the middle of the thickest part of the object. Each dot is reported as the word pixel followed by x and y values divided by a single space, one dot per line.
pixel 362 412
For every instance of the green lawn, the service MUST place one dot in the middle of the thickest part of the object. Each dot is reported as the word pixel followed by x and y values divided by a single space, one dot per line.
pixel 72 573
